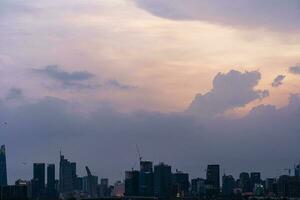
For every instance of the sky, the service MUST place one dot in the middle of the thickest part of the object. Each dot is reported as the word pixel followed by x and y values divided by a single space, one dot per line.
pixel 190 82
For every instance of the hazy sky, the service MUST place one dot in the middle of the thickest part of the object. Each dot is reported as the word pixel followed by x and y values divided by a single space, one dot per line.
pixel 192 82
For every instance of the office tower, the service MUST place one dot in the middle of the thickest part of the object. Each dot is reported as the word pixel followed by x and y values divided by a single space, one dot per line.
pixel 297 170
pixel 3 171
pixel 245 182
pixel 38 188
pixel 213 179
pixel 132 183
pixel 67 175
pixel 51 192
pixel 89 185
pixel 271 184
pixel 180 184
pixel 103 188
pixel 162 181
pixel 146 179
pixel 254 179
pixel 228 185
pixel 197 187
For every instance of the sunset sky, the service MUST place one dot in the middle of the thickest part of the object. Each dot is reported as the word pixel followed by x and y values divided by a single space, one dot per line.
pixel 184 79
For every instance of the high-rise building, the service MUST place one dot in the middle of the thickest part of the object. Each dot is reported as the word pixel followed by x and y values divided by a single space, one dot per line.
pixel 146 179
pixel 89 185
pixel 162 181
pixel 228 185
pixel 254 179
pixel 103 190
pixel 50 189
pixel 213 179
pixel 67 175
pixel 132 183
pixel 180 184
pixel 245 182
pixel 198 187
pixel 3 170
pixel 38 188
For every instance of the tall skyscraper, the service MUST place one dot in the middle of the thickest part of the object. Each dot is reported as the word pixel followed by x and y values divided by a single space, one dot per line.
pixel 51 192
pixel 67 175
pixel 228 185
pixel 162 181
pixel 213 179
pixel 180 184
pixel 3 170
pixel 245 182
pixel 103 190
pixel 198 187
pixel 254 179
pixel 146 179
pixel 132 183
pixel 38 188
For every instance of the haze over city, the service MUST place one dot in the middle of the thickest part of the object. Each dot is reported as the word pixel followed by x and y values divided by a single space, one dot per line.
pixel 190 82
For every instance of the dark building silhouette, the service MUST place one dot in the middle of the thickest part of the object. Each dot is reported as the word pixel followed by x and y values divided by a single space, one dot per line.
pixel 228 185
pixel 132 183
pixel 180 184
pixel 146 179
pixel 3 170
pixel 271 186
pixel 103 188
pixel 213 179
pixel 245 182
pixel 162 181
pixel 50 189
pixel 289 186
pixel 67 175
pixel 254 179
pixel 14 192
pixel 38 187
pixel 197 187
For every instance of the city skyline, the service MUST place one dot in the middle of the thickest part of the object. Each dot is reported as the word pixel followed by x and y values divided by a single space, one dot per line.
pixel 190 82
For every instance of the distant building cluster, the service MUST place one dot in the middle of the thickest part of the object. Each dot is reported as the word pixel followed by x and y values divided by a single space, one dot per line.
pixel 149 182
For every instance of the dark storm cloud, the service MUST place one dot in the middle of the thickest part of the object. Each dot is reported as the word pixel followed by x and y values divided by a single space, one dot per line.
pixel 68 80
pixel 278 81
pixel 273 14
pixel 234 89
pixel 14 93
pixel 295 70
pixel 37 131
pixel 119 85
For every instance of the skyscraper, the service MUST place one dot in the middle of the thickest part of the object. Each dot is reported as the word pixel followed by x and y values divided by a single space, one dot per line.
pixel 67 175
pixel 245 182
pixel 51 192
pixel 180 184
pixel 297 170
pixel 38 188
pixel 213 179
pixel 228 185
pixel 162 181
pixel 146 179
pixel 3 171
pixel 132 183
pixel 254 179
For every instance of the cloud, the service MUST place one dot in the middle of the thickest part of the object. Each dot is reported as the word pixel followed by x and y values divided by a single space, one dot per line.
pixel 295 70
pixel 66 80
pixel 48 125
pixel 119 85
pixel 278 81
pixel 14 93
pixel 272 14
pixel 234 89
